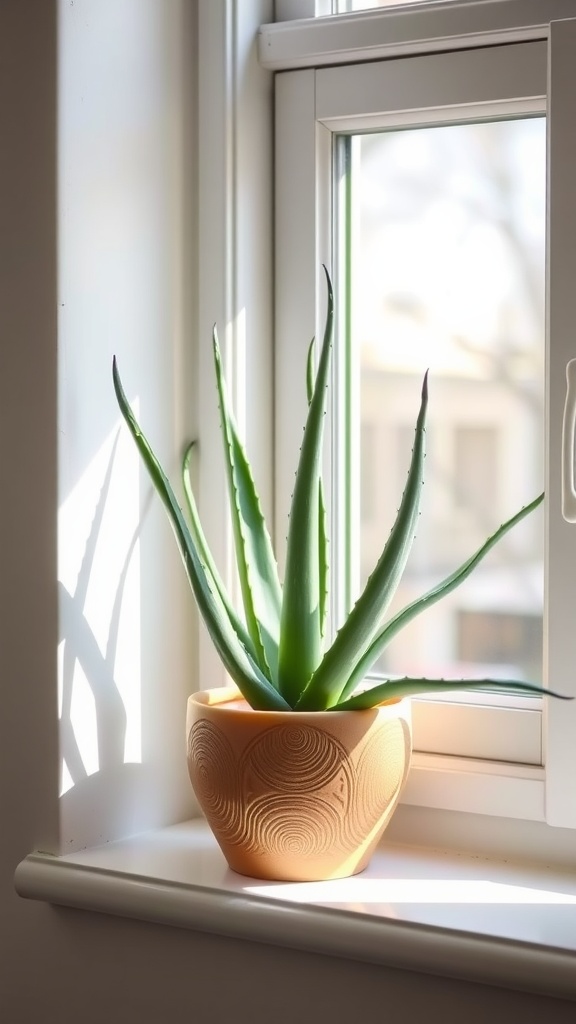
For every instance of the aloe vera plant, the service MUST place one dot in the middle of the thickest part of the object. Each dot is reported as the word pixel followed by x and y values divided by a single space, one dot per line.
pixel 274 651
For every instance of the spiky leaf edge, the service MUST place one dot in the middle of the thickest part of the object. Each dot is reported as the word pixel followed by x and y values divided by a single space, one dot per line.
pixel 257 568
pixel 392 689
pixel 357 631
pixel 322 533
pixel 300 633
pixel 253 685
pixel 205 554
pixel 403 617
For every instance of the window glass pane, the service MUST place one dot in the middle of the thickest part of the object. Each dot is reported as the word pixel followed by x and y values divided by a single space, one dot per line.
pixel 447 241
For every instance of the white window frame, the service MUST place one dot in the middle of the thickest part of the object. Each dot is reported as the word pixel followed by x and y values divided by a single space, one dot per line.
pixel 293 10
pixel 234 270
pixel 313 40
pixel 311 104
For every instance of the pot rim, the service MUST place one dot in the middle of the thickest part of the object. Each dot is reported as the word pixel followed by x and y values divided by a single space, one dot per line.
pixel 220 699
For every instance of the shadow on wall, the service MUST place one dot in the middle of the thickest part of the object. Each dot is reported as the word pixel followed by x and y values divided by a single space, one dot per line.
pixel 80 645
pixel 100 725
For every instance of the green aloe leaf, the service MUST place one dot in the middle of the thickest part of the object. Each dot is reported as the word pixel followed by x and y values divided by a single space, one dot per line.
pixel 257 569
pixel 322 533
pixel 301 630
pixel 257 690
pixel 420 605
pixel 205 555
pixel 407 687
pixel 340 659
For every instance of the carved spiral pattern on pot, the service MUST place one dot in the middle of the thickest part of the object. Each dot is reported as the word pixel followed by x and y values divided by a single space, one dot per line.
pixel 213 774
pixel 380 774
pixel 296 793
pixel 294 758
pixel 277 825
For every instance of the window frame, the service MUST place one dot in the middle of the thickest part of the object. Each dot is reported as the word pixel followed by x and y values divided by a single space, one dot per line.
pixel 377 33
pixel 303 97
pixel 233 284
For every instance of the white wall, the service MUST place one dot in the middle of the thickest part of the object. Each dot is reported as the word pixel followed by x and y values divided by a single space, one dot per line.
pixel 126 229
pixel 66 966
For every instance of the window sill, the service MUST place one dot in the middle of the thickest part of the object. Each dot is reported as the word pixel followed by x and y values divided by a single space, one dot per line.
pixel 432 911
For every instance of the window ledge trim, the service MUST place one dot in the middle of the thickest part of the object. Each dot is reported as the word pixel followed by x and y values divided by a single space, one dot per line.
pixel 98 881
pixel 378 34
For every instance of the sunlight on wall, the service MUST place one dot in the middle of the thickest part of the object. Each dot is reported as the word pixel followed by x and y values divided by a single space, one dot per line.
pixel 99 578
pixel 83 719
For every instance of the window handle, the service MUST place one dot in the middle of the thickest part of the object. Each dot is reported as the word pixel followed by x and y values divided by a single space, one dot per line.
pixel 568 429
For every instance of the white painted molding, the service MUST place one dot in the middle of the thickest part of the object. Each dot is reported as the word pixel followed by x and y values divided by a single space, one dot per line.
pixel 492 788
pixel 291 10
pixel 560 637
pixel 392 32
pixel 234 269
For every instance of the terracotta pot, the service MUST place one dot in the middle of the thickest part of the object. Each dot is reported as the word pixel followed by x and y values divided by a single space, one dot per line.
pixel 296 796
